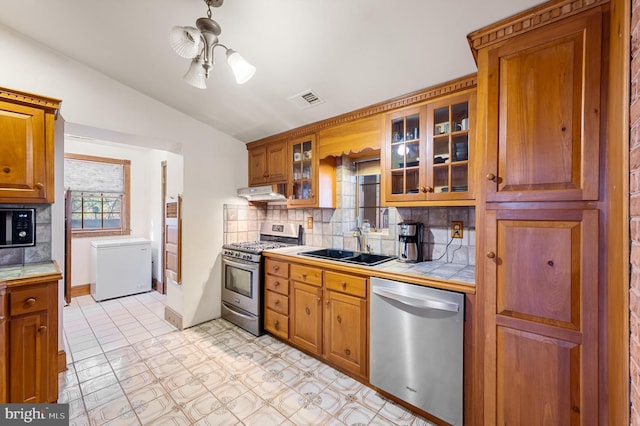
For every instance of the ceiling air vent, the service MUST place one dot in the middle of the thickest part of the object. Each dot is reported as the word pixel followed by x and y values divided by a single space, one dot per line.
pixel 306 99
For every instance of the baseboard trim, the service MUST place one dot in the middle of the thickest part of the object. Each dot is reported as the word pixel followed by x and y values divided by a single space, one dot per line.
pixel 80 290
pixel 158 286
pixel 62 361
pixel 173 317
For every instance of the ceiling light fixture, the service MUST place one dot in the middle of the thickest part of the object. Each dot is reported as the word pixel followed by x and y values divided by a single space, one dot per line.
pixel 197 43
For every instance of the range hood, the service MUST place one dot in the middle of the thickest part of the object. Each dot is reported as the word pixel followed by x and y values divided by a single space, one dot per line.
pixel 262 193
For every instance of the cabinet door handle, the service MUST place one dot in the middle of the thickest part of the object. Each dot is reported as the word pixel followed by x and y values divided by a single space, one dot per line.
pixel 42 329
pixel 30 302
pixel 491 176
pixel 491 255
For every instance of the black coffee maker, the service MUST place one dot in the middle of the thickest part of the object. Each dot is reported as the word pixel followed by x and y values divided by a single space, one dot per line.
pixel 410 242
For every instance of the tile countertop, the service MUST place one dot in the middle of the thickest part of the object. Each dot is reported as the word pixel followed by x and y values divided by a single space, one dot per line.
pixel 438 274
pixel 28 271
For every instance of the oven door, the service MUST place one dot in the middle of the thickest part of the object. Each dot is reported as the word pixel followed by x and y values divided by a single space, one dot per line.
pixel 241 284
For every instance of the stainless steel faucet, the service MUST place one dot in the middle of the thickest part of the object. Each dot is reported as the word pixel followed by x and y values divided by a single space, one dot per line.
pixel 362 239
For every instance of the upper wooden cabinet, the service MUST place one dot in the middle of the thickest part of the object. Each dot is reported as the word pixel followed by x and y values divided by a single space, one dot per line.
pixel 428 152
pixel 27 148
pixel 268 163
pixel 542 106
pixel 312 180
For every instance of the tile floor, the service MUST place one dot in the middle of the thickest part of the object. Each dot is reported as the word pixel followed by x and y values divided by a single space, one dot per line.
pixel 127 366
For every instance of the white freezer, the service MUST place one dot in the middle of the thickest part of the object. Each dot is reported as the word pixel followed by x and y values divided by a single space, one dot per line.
pixel 120 267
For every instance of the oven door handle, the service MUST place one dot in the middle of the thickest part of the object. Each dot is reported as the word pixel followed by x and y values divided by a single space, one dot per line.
pixel 235 312
pixel 253 266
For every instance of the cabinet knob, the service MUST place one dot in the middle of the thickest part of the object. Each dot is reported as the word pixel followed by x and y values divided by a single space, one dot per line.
pixel 277 302
pixel 276 325
pixel 422 189
pixel 304 276
pixel 275 268
pixel 343 284
pixel 339 319
pixel 42 329
pixel 265 174
pixel 307 311
pixel 39 185
pixel 491 176
pixel 30 301
pixel 276 284
pixel 347 351
pixel 7 169
pixel 491 255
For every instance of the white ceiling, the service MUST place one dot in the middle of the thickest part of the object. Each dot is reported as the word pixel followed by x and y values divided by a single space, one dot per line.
pixel 352 53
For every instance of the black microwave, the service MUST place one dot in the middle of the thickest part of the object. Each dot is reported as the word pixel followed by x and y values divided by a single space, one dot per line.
pixel 17 227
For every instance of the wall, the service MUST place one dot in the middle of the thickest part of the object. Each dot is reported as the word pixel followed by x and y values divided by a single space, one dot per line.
pixel 145 210
pixel 95 106
pixel 634 189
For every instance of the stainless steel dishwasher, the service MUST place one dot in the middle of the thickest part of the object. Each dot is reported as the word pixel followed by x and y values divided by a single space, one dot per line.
pixel 416 346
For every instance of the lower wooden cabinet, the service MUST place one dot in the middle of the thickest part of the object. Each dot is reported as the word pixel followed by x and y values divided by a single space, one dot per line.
pixel 306 316
pixel 345 332
pixel 326 315
pixel 30 338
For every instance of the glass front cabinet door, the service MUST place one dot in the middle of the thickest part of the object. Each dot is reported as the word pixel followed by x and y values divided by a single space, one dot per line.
pixel 428 150
pixel 302 160
pixel 450 148
pixel 404 156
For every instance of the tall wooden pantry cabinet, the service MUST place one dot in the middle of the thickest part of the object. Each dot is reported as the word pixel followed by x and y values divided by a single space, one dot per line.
pixel 540 126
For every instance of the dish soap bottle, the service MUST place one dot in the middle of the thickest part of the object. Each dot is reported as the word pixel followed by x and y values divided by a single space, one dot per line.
pixel 366 226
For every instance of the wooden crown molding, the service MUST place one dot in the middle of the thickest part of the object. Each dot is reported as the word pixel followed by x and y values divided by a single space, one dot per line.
pixel 25 98
pixel 450 87
pixel 528 20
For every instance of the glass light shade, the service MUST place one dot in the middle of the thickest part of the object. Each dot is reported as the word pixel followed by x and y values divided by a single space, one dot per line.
pixel 402 149
pixel 196 75
pixel 185 41
pixel 242 69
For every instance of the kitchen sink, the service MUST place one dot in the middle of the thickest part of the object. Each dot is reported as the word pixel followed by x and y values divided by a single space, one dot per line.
pixel 367 259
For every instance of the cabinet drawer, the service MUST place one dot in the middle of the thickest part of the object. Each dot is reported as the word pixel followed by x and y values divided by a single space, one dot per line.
pixel 276 267
pixel 344 283
pixel 28 300
pixel 277 302
pixel 277 284
pixel 306 274
pixel 276 323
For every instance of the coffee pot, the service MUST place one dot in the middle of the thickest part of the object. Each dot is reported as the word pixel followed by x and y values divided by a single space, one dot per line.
pixel 410 242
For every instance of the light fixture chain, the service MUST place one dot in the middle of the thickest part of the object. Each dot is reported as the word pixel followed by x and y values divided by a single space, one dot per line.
pixel 209 11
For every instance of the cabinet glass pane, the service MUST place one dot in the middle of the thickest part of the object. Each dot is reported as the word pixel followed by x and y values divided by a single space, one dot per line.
pixel 460 147
pixel 441 150
pixel 441 121
pixel 460 117
pixel 413 181
pixel 297 152
pixel 306 150
pixel 306 170
pixel 297 171
pixel 397 130
pixel 440 179
pixel 412 131
pixel 459 178
pixel 306 190
pixel 397 182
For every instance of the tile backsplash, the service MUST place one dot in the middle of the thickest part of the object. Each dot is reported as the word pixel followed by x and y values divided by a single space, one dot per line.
pixel 335 228
pixel 41 252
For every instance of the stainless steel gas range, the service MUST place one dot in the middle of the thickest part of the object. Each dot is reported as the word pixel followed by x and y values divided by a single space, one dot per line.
pixel 242 274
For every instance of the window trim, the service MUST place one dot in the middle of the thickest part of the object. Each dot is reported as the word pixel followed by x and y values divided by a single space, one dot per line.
pixel 125 213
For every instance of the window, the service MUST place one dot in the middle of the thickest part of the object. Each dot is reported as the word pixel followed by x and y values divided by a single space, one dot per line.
pixel 368 194
pixel 98 191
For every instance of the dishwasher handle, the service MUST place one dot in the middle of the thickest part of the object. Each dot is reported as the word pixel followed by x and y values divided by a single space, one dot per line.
pixel 424 303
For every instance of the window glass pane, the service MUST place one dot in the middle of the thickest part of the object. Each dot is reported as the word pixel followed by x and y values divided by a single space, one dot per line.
pixel 112 221
pixel 92 221
pixel 76 220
